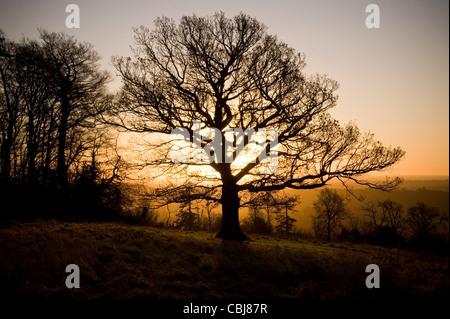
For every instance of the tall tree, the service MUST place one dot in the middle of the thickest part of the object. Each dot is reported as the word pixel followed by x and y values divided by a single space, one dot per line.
pixel 188 217
pixel 209 208
pixel 267 204
pixel 11 108
pixel 230 74
pixel 50 92
pixel 79 87
pixel 330 212
pixel 286 204
pixel 38 103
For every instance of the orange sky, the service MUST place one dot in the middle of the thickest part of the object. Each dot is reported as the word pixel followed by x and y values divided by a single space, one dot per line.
pixel 393 80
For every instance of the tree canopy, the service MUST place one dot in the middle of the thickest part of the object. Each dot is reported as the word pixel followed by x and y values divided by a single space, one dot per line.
pixel 214 75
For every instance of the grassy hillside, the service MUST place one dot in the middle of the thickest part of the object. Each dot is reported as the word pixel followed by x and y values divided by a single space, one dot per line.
pixel 119 261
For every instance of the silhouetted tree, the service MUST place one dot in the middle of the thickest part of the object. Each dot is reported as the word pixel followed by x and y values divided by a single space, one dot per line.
pixel 330 212
pixel 423 220
pixel 188 216
pixel 385 213
pixel 229 74
pixel 149 216
pixel 96 191
pixel 50 94
pixel 393 212
pixel 255 223
pixel 209 207
pixel 79 87
pixel 285 204
pixel 386 222
pixel 11 108
pixel 265 202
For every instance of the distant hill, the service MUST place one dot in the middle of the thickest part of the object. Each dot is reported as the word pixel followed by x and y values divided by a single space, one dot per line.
pixel 440 183
pixel 433 184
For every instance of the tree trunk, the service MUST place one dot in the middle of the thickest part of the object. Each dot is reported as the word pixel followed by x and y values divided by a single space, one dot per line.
pixel 328 231
pixel 7 146
pixel 209 218
pixel 31 150
pixel 61 169
pixel 5 150
pixel 46 160
pixel 230 228
pixel 6 161
pixel 287 220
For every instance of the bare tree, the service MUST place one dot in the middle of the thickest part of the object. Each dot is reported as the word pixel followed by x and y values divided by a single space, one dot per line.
pixel 11 108
pixel 210 205
pixel 266 203
pixel 330 212
pixel 229 74
pixel 255 222
pixel 389 216
pixel 51 92
pixel 423 220
pixel 393 211
pixel 39 102
pixel 79 87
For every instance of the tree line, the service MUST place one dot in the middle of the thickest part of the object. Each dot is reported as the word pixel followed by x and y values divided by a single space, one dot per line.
pixel 52 92
pixel 52 95
pixel 385 223
pixel 267 213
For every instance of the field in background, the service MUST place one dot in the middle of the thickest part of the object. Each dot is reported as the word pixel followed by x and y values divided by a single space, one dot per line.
pixel 119 261
pixel 408 195
pixel 432 191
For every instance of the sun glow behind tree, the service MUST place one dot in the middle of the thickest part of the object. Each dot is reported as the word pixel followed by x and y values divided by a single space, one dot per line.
pixel 216 75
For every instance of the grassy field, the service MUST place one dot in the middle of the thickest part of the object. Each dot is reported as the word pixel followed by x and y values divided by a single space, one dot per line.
pixel 120 261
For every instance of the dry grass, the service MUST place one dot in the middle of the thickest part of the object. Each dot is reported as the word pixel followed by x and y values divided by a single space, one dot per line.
pixel 119 261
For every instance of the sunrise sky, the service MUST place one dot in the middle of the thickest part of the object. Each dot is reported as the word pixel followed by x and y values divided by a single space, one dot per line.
pixel 393 80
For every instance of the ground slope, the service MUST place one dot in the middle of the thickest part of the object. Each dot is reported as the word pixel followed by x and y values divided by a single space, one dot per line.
pixel 120 261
